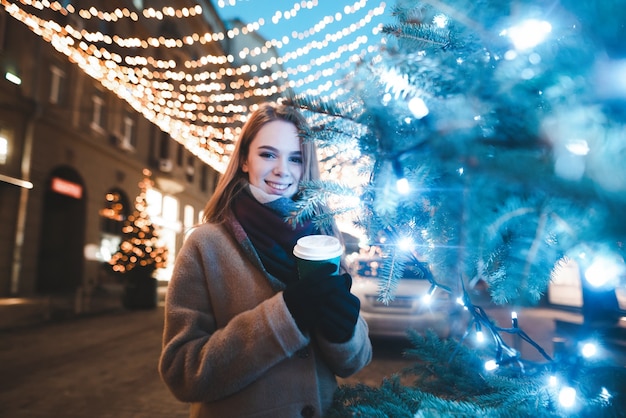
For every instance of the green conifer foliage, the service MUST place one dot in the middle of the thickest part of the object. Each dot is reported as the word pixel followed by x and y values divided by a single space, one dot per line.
pixel 492 135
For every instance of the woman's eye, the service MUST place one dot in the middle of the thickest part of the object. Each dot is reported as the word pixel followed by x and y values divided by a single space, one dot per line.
pixel 297 160
pixel 266 155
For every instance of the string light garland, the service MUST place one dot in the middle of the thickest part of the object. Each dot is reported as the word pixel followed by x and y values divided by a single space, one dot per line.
pixel 149 13
pixel 199 108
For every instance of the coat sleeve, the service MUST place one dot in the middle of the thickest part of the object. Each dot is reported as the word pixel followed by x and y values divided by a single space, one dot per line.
pixel 345 359
pixel 201 362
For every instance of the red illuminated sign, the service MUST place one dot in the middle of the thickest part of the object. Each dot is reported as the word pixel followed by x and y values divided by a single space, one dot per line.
pixel 67 188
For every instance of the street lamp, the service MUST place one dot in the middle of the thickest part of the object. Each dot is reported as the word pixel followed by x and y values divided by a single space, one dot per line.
pixel 13 78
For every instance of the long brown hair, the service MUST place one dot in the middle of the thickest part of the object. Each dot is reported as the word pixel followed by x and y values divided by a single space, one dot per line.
pixel 234 179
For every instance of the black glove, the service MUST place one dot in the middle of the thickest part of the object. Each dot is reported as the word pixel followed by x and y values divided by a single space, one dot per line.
pixel 305 296
pixel 339 315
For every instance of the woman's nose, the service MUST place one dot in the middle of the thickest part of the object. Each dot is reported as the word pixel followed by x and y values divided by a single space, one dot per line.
pixel 282 167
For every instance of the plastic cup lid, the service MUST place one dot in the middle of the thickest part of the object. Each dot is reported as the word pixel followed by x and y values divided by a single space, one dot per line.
pixel 318 247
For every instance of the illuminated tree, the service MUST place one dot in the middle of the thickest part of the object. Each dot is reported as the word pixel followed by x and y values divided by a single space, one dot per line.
pixel 140 253
pixel 492 133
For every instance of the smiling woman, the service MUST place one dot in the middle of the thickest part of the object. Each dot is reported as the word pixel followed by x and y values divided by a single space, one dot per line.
pixel 236 292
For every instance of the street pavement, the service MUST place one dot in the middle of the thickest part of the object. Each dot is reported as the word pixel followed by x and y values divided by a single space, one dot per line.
pixel 105 364
pixel 93 366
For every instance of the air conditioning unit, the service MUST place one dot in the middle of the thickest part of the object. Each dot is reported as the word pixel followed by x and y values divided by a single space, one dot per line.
pixel 165 165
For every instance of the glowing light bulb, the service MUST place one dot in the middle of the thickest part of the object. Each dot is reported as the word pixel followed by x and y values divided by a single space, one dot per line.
pixel 403 186
pixel 589 350
pixel 553 381
pixel 605 394
pixel 418 107
pixel 427 297
pixel 406 244
pixel 440 20
pixel 491 365
pixel 604 271
pixel 528 34
pixel 578 147
pixel 567 397
pixel 480 337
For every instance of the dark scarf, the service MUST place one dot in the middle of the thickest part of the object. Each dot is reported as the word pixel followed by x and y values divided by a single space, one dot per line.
pixel 272 237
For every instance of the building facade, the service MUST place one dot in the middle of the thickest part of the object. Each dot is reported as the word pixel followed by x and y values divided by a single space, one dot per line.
pixel 71 156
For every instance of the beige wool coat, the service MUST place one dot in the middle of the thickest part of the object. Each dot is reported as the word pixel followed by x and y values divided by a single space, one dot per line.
pixel 230 346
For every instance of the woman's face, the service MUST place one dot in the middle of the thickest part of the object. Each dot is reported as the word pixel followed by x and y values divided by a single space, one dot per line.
pixel 274 162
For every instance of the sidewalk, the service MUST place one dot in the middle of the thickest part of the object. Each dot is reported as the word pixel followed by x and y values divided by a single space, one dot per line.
pixel 23 312
pixel 104 364
pixel 546 325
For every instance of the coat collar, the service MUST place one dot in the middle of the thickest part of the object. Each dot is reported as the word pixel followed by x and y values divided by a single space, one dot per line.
pixel 235 228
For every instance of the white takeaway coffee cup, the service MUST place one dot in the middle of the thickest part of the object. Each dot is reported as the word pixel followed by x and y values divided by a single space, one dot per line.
pixel 312 251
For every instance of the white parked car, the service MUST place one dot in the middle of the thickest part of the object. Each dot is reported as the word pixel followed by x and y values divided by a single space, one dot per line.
pixel 409 309
pixel 566 290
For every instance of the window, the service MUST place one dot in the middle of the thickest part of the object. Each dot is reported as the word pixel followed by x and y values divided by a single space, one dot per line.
pixel 188 217
pixel 190 171
pixel 164 146
pixel 204 178
pixel 188 220
pixel 128 137
pixel 3 29
pixel 155 202
pixel 56 82
pixel 180 154
pixel 163 211
pixel 170 210
pixel 113 213
pixel 4 149
pixel 96 117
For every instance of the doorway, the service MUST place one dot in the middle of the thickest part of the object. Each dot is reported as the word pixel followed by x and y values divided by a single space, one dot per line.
pixel 61 258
